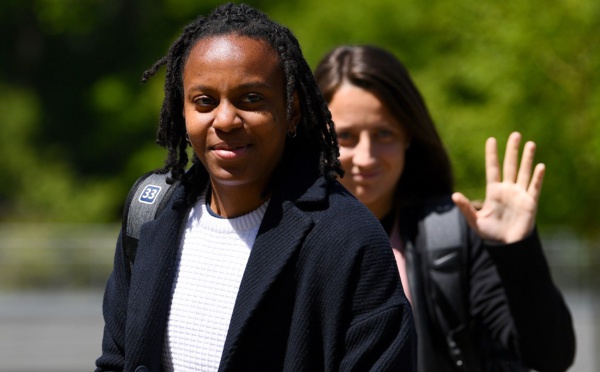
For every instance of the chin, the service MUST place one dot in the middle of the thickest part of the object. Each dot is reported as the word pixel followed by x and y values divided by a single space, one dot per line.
pixel 364 197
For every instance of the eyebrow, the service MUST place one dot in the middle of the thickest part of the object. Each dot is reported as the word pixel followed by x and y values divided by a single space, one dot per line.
pixel 250 85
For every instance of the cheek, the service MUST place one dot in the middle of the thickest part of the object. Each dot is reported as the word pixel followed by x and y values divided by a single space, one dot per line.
pixel 194 126
pixel 345 157
pixel 396 153
pixel 395 158
pixel 196 140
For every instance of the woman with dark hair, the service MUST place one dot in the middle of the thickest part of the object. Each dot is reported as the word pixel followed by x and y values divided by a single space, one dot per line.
pixel 480 287
pixel 248 267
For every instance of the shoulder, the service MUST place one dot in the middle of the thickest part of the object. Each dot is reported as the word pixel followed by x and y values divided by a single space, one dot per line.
pixel 421 209
pixel 437 205
pixel 345 221
pixel 341 203
pixel 436 215
pixel 337 218
pixel 346 241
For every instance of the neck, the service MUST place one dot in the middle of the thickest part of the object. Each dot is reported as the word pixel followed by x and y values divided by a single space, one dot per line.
pixel 235 201
pixel 380 208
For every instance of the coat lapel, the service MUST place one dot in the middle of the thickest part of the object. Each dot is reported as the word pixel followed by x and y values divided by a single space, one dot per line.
pixel 151 283
pixel 281 234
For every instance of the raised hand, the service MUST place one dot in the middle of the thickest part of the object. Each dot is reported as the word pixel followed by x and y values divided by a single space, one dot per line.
pixel 510 206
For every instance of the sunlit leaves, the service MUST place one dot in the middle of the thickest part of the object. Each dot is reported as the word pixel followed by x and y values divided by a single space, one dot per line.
pixel 73 108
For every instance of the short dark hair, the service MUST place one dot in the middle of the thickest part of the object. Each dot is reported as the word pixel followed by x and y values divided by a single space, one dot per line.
pixel 427 171
pixel 315 135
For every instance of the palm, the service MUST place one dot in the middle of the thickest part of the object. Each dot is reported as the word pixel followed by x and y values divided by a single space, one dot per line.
pixel 510 206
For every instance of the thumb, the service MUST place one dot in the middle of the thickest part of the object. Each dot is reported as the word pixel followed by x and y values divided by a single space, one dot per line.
pixel 464 204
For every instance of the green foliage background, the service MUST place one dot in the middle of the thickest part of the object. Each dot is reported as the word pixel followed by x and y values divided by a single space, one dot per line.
pixel 77 127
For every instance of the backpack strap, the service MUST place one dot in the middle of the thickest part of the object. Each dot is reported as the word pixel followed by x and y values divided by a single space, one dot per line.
pixel 445 236
pixel 148 196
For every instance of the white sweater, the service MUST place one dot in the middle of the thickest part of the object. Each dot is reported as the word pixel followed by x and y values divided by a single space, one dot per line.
pixel 212 258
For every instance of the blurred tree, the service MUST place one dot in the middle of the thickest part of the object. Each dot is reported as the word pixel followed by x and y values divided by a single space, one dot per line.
pixel 72 69
pixel 486 69
pixel 78 127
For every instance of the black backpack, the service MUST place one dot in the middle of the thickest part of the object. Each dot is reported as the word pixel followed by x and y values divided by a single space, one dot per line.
pixel 445 241
pixel 444 232
pixel 148 196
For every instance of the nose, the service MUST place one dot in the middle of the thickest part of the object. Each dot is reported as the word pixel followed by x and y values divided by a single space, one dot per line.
pixel 227 117
pixel 364 151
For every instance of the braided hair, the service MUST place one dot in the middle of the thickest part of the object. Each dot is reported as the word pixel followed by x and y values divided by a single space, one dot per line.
pixel 315 135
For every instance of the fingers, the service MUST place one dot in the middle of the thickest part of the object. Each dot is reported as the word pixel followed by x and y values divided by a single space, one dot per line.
pixel 524 178
pixel 535 187
pixel 492 167
pixel 526 164
pixel 511 157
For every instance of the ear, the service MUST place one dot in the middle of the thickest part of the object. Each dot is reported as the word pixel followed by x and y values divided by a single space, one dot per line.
pixel 296 115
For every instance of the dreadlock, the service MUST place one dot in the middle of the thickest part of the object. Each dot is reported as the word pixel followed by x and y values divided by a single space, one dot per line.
pixel 315 132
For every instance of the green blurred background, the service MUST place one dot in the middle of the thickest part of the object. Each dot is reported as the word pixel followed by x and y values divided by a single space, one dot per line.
pixel 77 127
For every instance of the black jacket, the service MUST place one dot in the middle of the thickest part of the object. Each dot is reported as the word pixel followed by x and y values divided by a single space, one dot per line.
pixel 517 317
pixel 320 292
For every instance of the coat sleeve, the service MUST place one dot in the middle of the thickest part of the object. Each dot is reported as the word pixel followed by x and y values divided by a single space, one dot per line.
pixel 381 335
pixel 114 309
pixel 545 337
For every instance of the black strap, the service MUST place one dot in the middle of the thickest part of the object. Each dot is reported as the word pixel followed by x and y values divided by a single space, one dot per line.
pixel 147 198
pixel 445 236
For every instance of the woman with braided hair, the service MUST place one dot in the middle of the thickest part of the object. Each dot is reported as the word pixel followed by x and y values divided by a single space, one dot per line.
pixel 248 266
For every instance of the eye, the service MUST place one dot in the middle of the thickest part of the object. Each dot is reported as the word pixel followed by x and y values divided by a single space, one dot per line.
pixel 204 101
pixel 251 98
pixel 343 135
pixel 345 138
pixel 384 133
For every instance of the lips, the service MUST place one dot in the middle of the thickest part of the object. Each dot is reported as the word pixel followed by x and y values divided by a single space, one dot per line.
pixel 230 151
pixel 365 176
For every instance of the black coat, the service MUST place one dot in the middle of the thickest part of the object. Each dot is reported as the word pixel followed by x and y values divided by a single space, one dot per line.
pixel 518 317
pixel 321 291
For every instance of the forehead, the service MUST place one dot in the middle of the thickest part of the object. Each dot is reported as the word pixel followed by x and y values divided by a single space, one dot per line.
pixel 358 108
pixel 233 51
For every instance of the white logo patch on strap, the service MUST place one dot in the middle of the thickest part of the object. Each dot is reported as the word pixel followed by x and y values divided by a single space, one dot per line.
pixel 149 194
